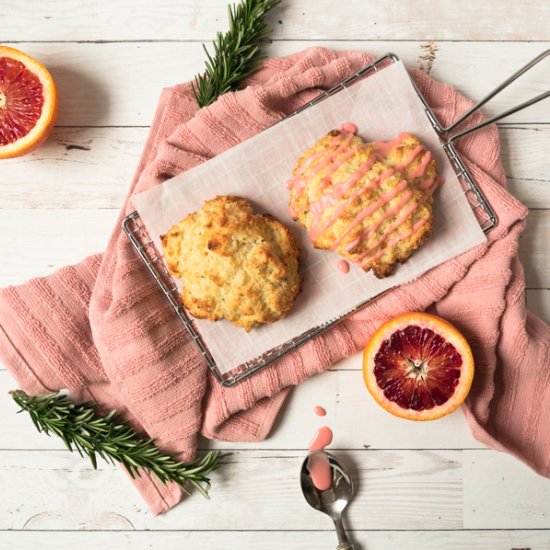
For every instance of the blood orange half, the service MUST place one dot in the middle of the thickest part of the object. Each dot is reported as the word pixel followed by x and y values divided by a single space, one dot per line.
pixel 418 366
pixel 28 103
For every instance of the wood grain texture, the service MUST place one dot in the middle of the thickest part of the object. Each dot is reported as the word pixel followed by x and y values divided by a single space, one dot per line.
pixel 276 540
pixel 92 168
pixel 118 84
pixel 59 237
pixel 66 236
pixel 420 487
pixel 76 168
pixel 419 490
pixel 538 301
pixel 526 164
pixel 304 19
pixel 341 392
pixel 530 493
pixel 534 251
pixel 254 488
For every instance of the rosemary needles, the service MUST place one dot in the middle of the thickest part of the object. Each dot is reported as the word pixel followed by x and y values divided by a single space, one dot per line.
pixel 236 53
pixel 83 430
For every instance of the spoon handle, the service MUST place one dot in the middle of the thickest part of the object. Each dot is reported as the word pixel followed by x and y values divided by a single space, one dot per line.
pixel 343 542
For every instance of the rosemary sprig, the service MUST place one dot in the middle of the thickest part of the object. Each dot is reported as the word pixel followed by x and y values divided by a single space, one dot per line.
pixel 89 433
pixel 236 56
pixel 236 53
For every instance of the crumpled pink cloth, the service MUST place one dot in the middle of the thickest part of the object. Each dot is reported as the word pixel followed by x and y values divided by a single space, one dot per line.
pixel 103 330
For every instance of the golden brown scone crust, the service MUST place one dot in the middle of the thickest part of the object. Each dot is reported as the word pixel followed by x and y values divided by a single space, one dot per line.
pixel 233 264
pixel 358 221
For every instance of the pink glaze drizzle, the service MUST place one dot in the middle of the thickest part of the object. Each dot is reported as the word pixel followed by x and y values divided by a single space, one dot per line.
pixel 318 207
pixel 334 160
pixel 367 211
pixel 384 148
pixel 406 213
pixel 298 182
pixel 321 439
pixel 319 469
pixel 393 242
pixel 420 170
pixel 319 411
pixel 343 266
pixel 406 163
pixel 347 128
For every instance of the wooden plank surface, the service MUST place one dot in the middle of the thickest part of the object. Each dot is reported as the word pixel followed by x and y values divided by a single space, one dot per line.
pixel 533 251
pixel 118 84
pixel 89 168
pixel 92 168
pixel 58 237
pixel 538 301
pixel 68 235
pixel 483 476
pixel 420 486
pixel 276 540
pixel 300 19
pixel 258 489
pixel 254 488
pixel 342 393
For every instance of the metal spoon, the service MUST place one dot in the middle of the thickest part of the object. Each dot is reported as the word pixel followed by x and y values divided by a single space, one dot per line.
pixel 333 500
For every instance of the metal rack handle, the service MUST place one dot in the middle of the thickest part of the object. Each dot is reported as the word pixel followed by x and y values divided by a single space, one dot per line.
pixel 490 96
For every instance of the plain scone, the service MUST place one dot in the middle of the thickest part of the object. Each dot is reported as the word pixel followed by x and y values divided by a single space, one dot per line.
pixel 233 264
pixel 370 202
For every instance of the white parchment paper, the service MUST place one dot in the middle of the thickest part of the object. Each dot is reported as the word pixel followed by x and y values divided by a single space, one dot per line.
pixel 381 106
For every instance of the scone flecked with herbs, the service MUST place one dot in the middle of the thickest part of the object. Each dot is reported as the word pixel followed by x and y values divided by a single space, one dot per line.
pixel 370 202
pixel 233 263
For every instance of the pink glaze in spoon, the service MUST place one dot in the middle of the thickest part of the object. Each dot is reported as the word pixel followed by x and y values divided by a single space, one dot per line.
pixel 319 469
pixel 332 500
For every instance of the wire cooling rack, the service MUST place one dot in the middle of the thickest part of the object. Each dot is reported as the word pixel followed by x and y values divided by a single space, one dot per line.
pixel 134 228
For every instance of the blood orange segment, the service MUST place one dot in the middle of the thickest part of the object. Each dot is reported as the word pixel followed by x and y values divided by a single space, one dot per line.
pixel 28 103
pixel 418 366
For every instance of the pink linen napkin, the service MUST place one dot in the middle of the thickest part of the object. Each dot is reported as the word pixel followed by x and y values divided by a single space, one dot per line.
pixel 103 330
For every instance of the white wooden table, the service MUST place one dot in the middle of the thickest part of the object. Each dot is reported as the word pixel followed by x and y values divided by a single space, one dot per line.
pixel 427 486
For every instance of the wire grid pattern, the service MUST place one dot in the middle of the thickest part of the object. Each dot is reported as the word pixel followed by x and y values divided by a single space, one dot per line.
pixel 146 248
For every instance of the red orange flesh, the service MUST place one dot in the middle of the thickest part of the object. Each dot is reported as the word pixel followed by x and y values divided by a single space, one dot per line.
pixel 418 366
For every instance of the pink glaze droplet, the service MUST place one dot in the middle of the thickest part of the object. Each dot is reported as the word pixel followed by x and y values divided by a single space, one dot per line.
pixel 343 266
pixel 319 411
pixel 318 467
pixel 321 439
pixel 348 128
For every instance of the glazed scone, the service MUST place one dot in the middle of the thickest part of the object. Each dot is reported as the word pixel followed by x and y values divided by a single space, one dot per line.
pixel 233 264
pixel 370 202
